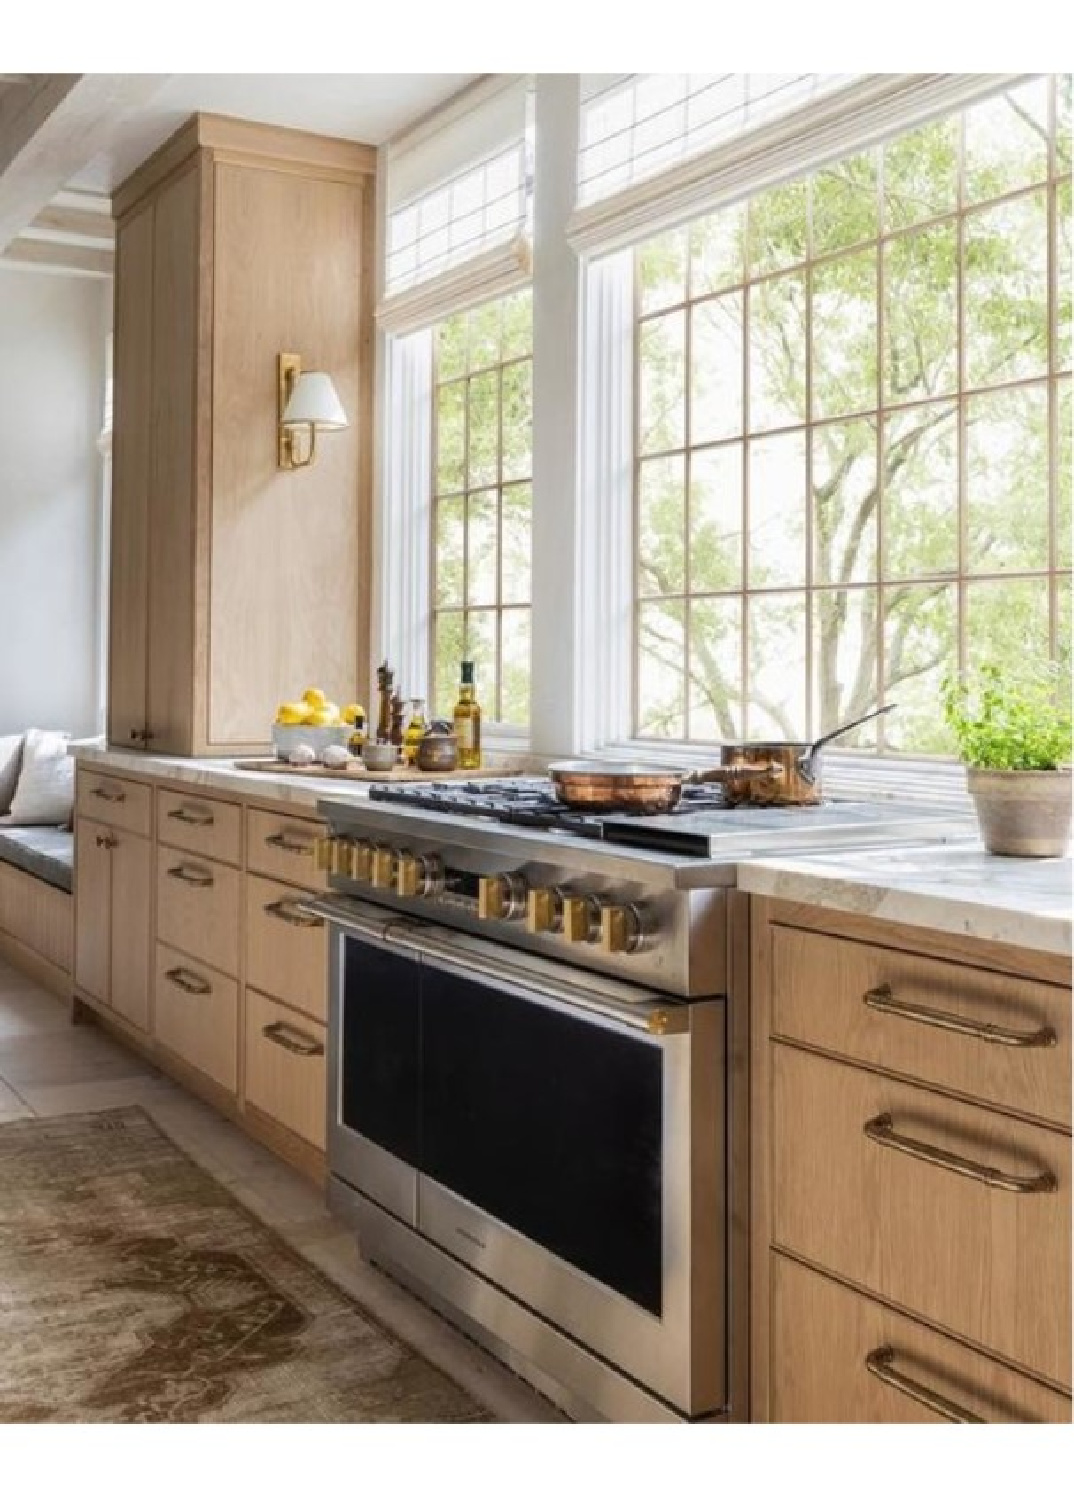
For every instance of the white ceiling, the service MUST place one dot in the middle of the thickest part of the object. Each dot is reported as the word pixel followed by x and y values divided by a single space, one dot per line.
pixel 369 107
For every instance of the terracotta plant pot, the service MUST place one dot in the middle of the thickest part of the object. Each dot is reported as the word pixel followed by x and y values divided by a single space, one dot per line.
pixel 1027 813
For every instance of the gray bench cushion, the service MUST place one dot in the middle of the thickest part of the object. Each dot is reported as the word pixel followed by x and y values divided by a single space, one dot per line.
pixel 48 853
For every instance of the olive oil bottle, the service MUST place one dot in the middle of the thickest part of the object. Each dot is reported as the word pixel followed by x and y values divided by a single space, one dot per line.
pixel 467 718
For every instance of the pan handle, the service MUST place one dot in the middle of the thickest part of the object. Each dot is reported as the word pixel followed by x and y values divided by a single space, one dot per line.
pixel 770 771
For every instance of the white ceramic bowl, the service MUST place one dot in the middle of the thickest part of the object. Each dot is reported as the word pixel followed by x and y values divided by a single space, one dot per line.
pixel 286 737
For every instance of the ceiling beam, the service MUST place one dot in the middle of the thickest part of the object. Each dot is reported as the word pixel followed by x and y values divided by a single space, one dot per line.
pixel 51 128
pixel 68 260
pixel 77 224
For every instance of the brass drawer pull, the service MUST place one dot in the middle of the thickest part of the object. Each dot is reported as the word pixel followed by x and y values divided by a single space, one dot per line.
pixel 881 1363
pixel 883 999
pixel 292 1040
pixel 292 913
pixel 193 984
pixel 289 845
pixel 108 796
pixel 195 819
pixel 882 1131
pixel 106 841
pixel 200 878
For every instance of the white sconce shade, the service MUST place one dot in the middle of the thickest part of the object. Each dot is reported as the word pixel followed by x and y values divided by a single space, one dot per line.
pixel 314 402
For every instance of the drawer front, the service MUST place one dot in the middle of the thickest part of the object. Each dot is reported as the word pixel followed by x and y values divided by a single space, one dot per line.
pixel 1002 1040
pixel 198 908
pixel 116 801
pixel 286 951
pixel 285 1069
pixel 930 1233
pixel 196 1015
pixel 838 1356
pixel 202 825
pixel 282 847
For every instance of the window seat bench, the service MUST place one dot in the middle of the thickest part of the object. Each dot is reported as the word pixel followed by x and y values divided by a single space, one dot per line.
pixel 36 903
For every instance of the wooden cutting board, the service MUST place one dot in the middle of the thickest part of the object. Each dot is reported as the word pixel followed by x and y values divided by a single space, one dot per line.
pixel 357 772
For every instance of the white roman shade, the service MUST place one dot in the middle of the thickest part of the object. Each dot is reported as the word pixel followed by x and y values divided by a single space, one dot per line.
pixel 658 149
pixel 458 190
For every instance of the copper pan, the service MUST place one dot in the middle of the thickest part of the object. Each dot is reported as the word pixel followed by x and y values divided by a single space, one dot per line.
pixel 776 773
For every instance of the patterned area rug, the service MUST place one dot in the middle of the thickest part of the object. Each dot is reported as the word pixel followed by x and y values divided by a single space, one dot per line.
pixel 135 1288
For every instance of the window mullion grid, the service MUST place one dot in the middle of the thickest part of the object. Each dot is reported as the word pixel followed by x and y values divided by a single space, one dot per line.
pixel 810 707
pixel 497 619
pixel 879 450
pixel 687 437
pixel 466 495
pixel 1052 214
pixel 635 489
pixel 747 424
pixel 434 523
pixel 961 405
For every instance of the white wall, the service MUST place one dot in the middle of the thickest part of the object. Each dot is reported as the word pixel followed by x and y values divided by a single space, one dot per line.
pixel 52 336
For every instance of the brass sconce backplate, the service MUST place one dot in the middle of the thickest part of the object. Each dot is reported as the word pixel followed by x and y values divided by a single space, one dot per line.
pixel 288 369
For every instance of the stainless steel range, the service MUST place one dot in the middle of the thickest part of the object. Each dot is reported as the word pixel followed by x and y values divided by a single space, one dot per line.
pixel 537 1048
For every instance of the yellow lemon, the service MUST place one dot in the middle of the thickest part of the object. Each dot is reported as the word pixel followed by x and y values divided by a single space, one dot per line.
pixel 350 712
pixel 314 697
pixel 323 718
pixel 290 713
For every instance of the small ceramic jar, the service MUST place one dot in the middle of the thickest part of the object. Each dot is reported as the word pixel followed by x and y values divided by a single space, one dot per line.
pixel 438 749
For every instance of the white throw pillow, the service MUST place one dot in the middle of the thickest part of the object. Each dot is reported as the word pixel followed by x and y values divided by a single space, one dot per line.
pixel 45 792
pixel 10 755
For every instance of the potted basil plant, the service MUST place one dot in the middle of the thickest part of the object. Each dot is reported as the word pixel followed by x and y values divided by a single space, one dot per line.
pixel 1014 736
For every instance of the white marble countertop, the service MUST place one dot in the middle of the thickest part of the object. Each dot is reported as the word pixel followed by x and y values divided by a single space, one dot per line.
pixel 957 888
pixel 222 775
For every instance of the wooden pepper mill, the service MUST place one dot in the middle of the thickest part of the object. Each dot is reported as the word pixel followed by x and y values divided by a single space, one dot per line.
pixel 385 678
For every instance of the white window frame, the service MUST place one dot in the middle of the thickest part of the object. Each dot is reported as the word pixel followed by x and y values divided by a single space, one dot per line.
pixel 582 592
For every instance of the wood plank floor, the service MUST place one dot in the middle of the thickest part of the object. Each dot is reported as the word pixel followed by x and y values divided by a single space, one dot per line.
pixel 50 1067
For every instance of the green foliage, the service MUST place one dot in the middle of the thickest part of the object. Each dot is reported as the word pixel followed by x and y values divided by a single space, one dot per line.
pixel 1005 723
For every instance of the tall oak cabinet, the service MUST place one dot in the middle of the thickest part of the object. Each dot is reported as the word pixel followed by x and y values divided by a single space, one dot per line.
pixel 235 583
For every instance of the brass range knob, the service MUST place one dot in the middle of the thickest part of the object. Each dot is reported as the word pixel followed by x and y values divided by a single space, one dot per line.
pixel 325 850
pixel 581 919
pixel 500 898
pixel 383 867
pixel 544 909
pixel 360 860
pixel 418 874
pixel 620 929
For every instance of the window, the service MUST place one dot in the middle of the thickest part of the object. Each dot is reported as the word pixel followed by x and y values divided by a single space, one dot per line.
pixel 482 502
pixel 852 434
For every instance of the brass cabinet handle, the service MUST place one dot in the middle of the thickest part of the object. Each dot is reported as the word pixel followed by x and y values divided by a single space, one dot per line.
pixel 291 912
pixel 292 1040
pixel 200 878
pixel 883 999
pixel 289 846
pixel 881 1363
pixel 882 1131
pixel 106 841
pixel 184 979
pixel 145 735
pixel 195 819
pixel 109 796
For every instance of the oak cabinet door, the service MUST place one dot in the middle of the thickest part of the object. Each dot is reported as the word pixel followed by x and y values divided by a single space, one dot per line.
pixel 131 892
pixel 93 923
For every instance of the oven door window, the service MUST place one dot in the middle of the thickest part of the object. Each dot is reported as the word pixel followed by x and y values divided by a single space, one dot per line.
pixel 381 1058
pixel 549 1122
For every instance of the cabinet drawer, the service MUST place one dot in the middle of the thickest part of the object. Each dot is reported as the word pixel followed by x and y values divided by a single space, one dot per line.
pixel 198 908
pixel 827 1342
pixel 196 1015
pixel 286 951
pixel 896 1188
pixel 1002 1040
pixel 285 1068
pixel 202 825
pixel 282 847
pixel 116 801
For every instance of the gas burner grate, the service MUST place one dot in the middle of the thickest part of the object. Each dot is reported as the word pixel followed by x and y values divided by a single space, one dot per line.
pixel 530 802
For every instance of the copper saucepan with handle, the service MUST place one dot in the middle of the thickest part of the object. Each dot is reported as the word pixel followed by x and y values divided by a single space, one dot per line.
pixel 776 773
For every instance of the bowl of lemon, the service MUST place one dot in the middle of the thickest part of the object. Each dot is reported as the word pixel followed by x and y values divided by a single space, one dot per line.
pixel 311 724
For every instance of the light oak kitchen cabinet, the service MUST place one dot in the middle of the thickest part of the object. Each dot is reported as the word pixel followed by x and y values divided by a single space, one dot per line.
pixel 113 892
pixel 235 243
pixel 910 1173
pixel 204 953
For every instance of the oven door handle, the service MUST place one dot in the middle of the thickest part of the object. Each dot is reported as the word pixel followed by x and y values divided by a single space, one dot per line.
pixel 442 951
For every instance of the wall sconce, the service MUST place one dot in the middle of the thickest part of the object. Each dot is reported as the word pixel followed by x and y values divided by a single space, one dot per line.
pixel 305 400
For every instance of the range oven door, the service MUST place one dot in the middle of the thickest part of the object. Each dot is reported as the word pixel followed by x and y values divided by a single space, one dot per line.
pixel 561 1135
